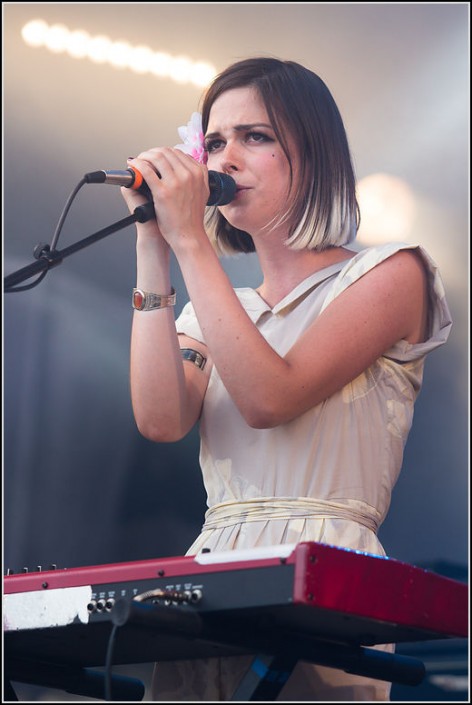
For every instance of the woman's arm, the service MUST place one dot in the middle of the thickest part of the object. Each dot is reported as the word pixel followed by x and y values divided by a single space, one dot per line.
pixel 166 392
pixel 387 304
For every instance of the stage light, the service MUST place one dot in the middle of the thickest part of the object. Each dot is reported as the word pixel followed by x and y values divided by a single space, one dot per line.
pixel 388 208
pixel 120 54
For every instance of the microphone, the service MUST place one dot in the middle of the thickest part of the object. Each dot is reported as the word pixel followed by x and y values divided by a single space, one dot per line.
pixel 222 186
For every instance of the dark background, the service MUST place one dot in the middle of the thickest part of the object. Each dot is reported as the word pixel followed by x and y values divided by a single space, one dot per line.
pixel 81 486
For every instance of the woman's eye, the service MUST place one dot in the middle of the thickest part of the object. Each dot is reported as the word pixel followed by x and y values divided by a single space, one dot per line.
pixel 259 137
pixel 212 145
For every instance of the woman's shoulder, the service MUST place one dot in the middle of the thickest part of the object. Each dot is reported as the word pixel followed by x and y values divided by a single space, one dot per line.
pixel 369 257
pixel 402 270
pixel 406 259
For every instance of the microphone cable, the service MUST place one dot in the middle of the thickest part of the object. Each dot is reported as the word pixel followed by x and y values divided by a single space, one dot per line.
pixel 46 251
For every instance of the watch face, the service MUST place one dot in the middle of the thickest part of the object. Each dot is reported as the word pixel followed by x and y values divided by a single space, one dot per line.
pixel 138 299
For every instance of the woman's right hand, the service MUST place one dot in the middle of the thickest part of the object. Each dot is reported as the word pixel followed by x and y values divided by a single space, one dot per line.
pixel 147 232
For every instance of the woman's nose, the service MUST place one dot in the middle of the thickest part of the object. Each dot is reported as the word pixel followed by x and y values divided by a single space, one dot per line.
pixel 231 158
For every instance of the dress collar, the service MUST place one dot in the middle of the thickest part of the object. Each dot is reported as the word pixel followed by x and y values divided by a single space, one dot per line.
pixel 255 305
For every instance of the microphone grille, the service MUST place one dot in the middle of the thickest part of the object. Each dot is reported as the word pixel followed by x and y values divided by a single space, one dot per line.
pixel 222 188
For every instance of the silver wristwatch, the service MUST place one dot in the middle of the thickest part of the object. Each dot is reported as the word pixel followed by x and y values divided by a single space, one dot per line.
pixel 147 301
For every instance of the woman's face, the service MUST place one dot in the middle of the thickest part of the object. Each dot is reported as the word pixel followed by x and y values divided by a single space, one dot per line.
pixel 241 142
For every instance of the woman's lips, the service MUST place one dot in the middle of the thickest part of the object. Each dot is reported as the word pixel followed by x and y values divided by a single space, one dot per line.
pixel 240 189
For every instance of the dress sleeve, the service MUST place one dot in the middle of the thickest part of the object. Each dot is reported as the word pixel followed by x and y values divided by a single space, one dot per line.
pixel 187 323
pixel 440 320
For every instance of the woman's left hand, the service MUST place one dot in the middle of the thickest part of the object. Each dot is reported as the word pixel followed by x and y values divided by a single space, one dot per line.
pixel 180 191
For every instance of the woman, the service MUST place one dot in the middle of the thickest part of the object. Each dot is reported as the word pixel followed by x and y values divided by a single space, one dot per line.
pixel 304 388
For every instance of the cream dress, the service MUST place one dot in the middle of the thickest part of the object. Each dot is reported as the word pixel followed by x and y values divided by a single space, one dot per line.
pixel 326 476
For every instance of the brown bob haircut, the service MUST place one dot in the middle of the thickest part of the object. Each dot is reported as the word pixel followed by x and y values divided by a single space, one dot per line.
pixel 324 211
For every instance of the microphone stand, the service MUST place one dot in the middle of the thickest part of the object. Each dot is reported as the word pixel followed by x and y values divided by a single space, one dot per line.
pixel 47 258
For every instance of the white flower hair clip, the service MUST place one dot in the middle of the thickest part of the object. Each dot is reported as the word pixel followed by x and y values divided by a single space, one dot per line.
pixel 193 139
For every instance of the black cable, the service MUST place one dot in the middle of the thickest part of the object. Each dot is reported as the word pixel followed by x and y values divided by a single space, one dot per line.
pixel 29 286
pixel 109 662
pixel 51 249
pixel 64 213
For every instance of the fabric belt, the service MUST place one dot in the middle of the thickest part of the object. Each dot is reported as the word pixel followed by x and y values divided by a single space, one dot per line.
pixel 226 514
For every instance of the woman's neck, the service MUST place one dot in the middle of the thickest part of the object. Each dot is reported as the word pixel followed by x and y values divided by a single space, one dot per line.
pixel 284 268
